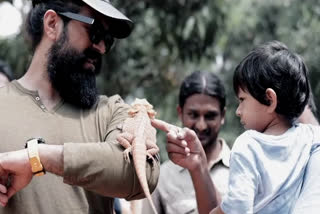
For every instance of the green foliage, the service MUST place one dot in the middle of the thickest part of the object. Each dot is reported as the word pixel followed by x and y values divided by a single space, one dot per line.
pixel 10 1
pixel 16 53
pixel 171 39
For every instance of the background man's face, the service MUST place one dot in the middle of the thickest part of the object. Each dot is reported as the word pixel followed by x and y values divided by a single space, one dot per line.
pixel 202 114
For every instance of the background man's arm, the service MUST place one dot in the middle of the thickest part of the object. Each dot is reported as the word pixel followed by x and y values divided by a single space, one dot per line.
pixel 185 149
pixel 206 194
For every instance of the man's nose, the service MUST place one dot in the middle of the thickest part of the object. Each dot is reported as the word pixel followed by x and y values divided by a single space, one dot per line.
pixel 201 124
pixel 100 47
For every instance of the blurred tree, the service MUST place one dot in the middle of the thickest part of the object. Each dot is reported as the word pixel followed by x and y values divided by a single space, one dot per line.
pixel 10 1
pixel 15 49
pixel 252 22
pixel 16 53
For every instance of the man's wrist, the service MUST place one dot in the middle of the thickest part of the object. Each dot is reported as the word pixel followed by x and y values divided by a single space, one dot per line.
pixel 52 158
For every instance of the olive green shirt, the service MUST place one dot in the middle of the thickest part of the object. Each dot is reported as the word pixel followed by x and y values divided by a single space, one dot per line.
pixel 94 168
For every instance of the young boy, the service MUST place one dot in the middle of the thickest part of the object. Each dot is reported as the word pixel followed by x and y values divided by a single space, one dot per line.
pixel 268 161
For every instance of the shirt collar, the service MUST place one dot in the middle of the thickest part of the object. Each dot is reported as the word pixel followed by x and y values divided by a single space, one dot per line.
pixel 224 155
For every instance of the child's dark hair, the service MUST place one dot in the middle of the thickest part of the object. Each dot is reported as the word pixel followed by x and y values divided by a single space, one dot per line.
pixel 34 22
pixel 273 65
pixel 202 82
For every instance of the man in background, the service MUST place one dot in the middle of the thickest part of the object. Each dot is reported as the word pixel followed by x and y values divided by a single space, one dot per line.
pixel 201 108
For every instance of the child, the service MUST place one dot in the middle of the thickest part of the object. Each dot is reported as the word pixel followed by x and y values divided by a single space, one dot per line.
pixel 268 161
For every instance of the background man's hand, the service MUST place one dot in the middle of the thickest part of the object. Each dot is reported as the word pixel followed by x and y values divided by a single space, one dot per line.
pixel 15 173
pixel 183 146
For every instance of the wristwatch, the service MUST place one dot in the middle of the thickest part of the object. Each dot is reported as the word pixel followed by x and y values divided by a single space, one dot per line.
pixel 34 159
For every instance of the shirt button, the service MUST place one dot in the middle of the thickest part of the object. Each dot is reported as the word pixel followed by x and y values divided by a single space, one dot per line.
pixel 37 98
pixel 42 106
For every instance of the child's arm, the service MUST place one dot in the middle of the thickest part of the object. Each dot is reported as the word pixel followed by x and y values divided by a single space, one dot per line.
pixel 244 178
pixel 308 201
pixel 185 149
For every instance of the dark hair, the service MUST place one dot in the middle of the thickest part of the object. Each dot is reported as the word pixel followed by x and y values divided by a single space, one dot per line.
pixel 202 82
pixel 6 70
pixel 273 65
pixel 34 23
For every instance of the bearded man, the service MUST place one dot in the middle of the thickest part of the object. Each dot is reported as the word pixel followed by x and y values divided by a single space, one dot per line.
pixel 54 111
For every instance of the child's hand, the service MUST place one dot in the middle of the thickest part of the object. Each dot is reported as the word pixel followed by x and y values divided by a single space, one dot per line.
pixel 183 146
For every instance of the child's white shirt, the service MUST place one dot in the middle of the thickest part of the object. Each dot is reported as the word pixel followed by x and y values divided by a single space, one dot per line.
pixel 308 201
pixel 266 171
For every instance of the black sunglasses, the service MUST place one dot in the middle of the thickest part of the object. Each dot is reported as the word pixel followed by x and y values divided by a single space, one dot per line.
pixel 96 33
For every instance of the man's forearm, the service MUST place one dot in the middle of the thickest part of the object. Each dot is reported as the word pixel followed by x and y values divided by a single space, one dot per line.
pixel 97 167
pixel 207 196
pixel 101 168
pixel 51 157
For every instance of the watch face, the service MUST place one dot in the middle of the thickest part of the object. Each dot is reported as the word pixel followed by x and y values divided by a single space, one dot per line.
pixel 40 140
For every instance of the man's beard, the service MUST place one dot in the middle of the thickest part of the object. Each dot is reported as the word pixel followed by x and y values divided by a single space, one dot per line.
pixel 75 84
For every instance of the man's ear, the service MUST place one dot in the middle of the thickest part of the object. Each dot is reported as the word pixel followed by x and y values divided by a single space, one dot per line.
pixel 223 114
pixel 52 25
pixel 179 111
pixel 272 98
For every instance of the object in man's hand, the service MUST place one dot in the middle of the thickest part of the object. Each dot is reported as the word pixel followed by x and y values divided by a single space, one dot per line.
pixel 138 137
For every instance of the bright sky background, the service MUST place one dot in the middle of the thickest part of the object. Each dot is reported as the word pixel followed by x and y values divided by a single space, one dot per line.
pixel 10 18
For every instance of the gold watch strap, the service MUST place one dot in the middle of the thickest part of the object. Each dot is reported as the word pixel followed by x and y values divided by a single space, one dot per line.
pixel 34 159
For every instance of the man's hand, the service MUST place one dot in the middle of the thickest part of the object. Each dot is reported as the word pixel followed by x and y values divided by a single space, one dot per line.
pixel 183 146
pixel 15 173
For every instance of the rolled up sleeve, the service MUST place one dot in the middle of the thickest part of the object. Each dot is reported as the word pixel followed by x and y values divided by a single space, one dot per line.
pixel 101 167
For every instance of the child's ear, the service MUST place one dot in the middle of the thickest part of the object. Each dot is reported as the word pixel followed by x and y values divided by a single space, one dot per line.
pixel 272 98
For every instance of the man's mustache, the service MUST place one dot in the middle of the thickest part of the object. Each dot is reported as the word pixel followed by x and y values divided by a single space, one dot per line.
pixel 92 54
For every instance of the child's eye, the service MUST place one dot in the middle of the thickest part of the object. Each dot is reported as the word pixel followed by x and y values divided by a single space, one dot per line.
pixel 240 99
